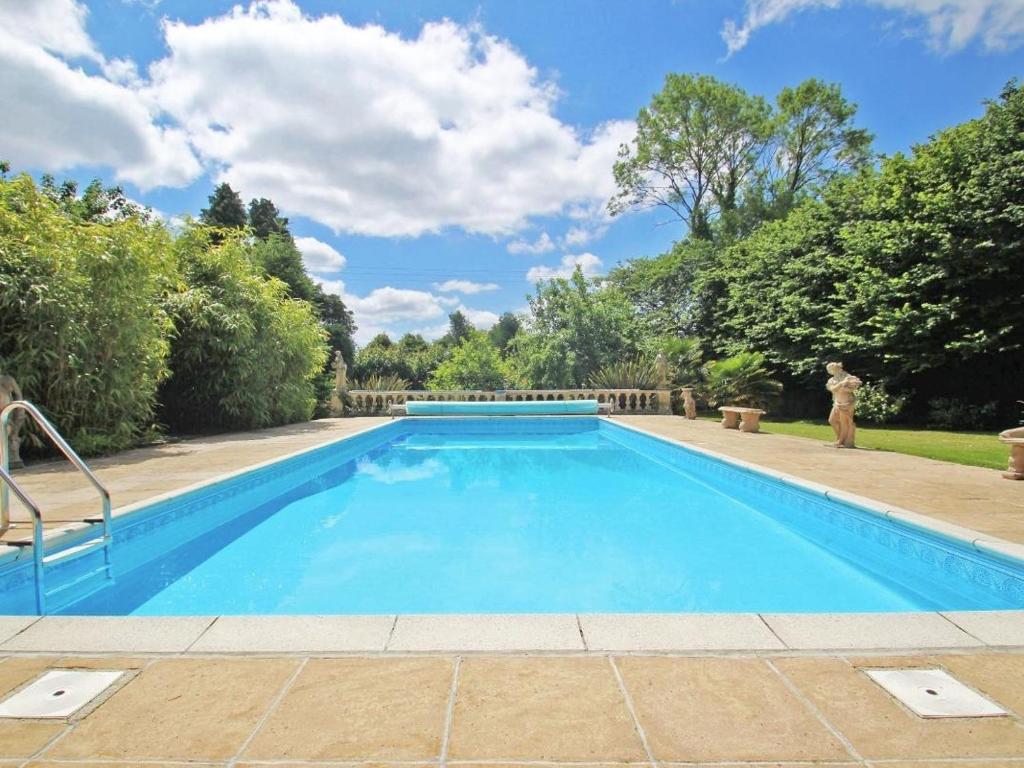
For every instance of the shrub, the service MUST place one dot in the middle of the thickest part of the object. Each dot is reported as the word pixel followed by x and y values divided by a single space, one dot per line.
pixel 876 405
pixel 740 380
pixel 243 354
pixel 382 383
pixel 639 373
pixel 950 413
pixel 475 364
pixel 82 325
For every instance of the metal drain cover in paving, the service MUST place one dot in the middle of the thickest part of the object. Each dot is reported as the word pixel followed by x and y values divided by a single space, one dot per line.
pixel 934 693
pixel 58 693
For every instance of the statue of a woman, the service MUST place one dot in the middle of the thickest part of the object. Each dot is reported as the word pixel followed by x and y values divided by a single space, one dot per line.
pixel 843 387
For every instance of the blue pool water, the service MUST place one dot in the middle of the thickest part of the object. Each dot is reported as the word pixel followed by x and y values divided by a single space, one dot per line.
pixel 529 515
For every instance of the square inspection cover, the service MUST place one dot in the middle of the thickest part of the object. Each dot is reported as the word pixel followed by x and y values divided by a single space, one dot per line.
pixel 934 693
pixel 58 693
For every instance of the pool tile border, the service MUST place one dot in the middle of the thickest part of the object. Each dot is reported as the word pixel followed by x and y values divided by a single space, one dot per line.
pixel 559 634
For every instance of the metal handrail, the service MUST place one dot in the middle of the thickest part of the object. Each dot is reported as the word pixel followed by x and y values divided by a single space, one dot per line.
pixel 7 483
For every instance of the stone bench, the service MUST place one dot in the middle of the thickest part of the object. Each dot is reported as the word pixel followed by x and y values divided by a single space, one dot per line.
pixel 743 419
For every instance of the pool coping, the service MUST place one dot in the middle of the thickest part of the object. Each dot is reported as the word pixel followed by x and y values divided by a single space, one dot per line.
pixel 682 633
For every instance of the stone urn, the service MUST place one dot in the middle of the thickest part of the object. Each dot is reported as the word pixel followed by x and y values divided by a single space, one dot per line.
pixel 1015 439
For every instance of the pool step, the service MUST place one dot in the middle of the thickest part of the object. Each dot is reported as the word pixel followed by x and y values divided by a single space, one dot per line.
pixel 99 575
pixel 75 552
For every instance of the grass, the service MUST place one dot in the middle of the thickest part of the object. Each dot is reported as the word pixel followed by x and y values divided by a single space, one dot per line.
pixel 976 449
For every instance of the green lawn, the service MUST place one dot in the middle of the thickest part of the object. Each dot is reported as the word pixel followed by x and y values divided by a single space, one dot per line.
pixel 979 449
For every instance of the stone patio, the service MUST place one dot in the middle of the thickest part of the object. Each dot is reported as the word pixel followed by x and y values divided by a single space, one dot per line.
pixel 514 709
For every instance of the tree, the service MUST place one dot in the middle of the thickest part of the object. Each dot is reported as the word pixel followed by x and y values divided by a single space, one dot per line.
pixel 695 147
pixel 504 330
pixel 82 325
pixel 265 220
pixel 459 328
pixel 244 354
pixel 575 329
pixel 816 138
pixel 278 257
pixel 226 209
pixel 474 364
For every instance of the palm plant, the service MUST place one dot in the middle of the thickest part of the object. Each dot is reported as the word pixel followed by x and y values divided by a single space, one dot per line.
pixel 740 380
pixel 382 383
pixel 638 373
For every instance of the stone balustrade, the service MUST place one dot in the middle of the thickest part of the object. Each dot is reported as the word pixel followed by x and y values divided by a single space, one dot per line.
pixel 364 402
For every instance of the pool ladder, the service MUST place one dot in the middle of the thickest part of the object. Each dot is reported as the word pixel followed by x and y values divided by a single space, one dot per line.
pixel 42 560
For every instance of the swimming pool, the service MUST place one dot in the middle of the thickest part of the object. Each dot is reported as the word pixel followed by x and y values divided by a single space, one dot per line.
pixel 521 515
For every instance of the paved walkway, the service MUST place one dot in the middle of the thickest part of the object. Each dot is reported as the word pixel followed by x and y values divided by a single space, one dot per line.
pixel 489 710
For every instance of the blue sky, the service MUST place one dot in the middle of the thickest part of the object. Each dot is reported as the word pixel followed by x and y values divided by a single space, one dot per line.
pixel 437 155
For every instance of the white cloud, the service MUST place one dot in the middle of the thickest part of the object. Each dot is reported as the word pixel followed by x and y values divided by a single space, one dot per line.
pixel 372 133
pixel 543 244
pixel 57 26
pixel 57 117
pixel 480 318
pixel 588 263
pixel 465 286
pixel 318 256
pixel 950 24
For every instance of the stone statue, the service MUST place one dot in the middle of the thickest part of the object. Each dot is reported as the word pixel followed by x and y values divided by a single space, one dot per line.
pixel 689 404
pixel 661 365
pixel 340 385
pixel 1015 439
pixel 9 392
pixel 340 372
pixel 843 387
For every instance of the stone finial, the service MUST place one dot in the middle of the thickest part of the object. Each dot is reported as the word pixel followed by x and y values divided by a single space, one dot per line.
pixel 843 387
pixel 661 365
pixel 689 404
pixel 9 392
pixel 1015 439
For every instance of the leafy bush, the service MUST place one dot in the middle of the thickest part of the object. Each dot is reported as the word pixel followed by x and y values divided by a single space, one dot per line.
pixel 950 413
pixel 741 380
pixel 475 364
pixel 243 354
pixel 82 325
pixel 639 373
pixel 876 405
pixel 378 383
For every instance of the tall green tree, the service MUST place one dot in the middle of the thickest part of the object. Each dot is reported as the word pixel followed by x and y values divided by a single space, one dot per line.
pixel 575 329
pixel 816 138
pixel 226 209
pixel 265 220
pixel 503 331
pixel 695 146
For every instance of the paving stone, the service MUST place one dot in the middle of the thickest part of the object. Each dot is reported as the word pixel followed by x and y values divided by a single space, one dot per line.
pixel 1000 676
pixel 991 627
pixel 180 709
pixel 677 632
pixel 23 738
pixel 723 709
pixel 295 634
pixel 866 631
pixel 110 634
pixel 487 632
pixel 12 625
pixel 881 729
pixel 360 709
pixel 542 708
